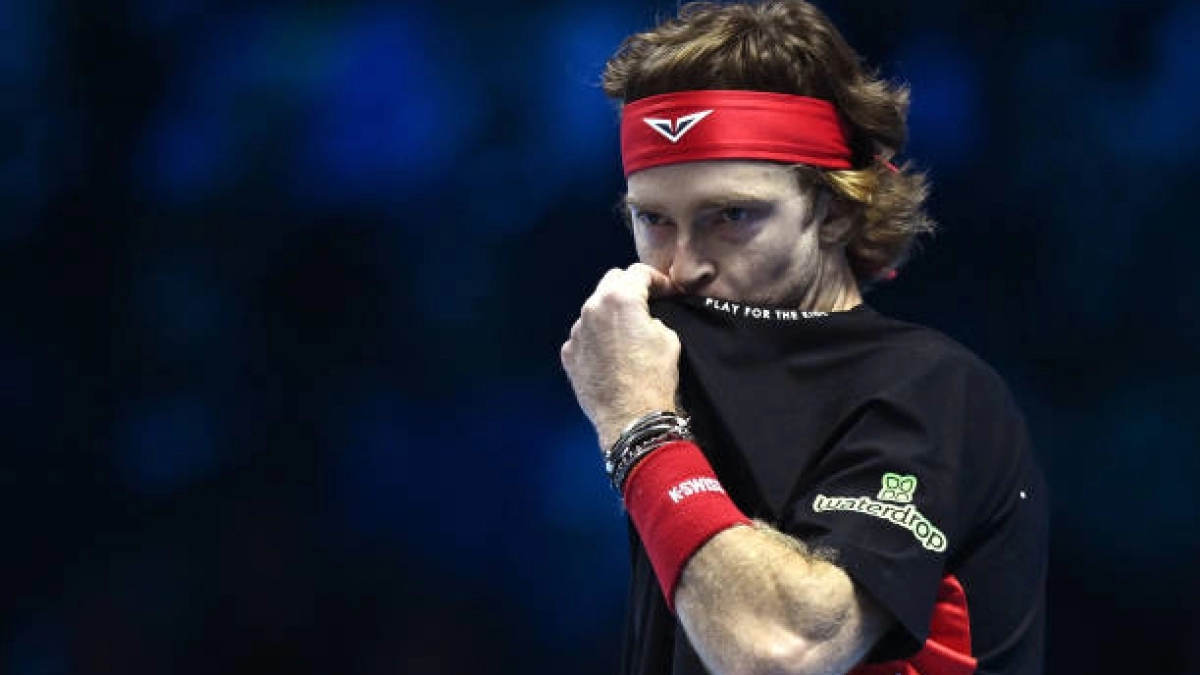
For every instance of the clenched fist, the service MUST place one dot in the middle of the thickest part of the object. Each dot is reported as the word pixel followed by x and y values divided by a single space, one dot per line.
pixel 622 363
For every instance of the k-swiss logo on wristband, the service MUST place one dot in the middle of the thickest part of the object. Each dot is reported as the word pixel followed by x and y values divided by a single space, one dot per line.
pixel 694 486
pixel 673 130
pixel 894 488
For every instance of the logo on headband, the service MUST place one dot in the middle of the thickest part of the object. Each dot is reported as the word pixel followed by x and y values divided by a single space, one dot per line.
pixel 673 130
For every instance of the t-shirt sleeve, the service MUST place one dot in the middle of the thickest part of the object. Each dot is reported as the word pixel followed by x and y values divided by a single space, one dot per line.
pixel 884 502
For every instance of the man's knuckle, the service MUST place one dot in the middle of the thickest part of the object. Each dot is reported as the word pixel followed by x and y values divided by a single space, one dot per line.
pixel 605 300
pixel 611 276
pixel 611 298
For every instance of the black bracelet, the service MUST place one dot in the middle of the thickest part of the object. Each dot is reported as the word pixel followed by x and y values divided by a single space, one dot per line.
pixel 639 439
pixel 643 427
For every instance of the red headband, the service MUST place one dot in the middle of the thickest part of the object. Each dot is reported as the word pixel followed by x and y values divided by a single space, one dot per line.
pixel 689 126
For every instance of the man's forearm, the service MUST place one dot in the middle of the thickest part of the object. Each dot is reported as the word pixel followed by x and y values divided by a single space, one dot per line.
pixel 753 600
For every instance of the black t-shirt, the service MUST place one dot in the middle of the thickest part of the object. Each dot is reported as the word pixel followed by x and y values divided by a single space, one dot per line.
pixel 886 445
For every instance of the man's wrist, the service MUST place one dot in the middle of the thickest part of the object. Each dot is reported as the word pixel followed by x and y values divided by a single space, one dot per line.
pixel 640 438
pixel 677 504
pixel 611 430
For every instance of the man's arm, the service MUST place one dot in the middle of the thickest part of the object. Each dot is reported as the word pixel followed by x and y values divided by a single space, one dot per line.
pixel 751 599
pixel 755 601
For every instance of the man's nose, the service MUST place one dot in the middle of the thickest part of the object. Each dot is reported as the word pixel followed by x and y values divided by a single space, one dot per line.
pixel 690 269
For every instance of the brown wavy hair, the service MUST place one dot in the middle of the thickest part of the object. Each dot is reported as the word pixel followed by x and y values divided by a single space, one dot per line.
pixel 791 47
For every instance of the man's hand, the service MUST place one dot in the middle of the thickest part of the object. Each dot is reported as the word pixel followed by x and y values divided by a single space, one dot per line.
pixel 621 362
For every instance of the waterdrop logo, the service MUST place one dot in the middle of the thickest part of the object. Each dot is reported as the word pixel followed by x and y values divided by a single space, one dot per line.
pixel 894 489
pixel 897 488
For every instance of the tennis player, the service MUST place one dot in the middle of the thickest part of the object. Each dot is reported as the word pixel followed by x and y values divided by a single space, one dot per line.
pixel 812 487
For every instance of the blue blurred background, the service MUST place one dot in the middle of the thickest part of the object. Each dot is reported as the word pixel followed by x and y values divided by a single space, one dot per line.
pixel 284 286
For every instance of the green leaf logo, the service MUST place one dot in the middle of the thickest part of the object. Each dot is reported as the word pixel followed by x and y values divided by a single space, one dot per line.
pixel 898 488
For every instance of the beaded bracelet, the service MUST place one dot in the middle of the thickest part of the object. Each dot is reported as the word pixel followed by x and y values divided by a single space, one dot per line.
pixel 643 436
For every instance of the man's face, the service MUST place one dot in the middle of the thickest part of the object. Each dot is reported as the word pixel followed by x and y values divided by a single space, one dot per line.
pixel 733 229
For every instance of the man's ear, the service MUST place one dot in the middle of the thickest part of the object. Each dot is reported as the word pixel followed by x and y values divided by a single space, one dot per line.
pixel 837 220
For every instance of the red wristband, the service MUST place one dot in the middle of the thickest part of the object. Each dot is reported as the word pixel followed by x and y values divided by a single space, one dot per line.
pixel 677 505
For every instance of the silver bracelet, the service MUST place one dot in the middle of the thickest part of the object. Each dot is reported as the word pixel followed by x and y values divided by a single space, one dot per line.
pixel 657 421
pixel 639 439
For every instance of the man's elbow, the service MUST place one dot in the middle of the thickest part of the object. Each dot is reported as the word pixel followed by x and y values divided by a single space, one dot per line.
pixel 794 655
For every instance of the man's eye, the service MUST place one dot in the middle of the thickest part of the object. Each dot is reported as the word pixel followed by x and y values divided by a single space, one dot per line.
pixel 735 214
pixel 647 218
